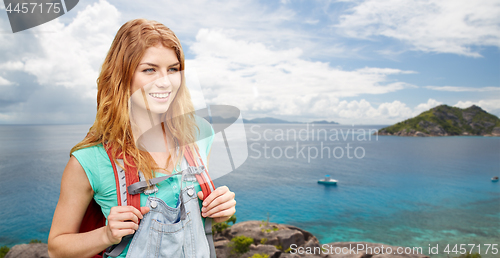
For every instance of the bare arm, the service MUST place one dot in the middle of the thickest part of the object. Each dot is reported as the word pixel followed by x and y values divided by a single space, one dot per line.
pixel 76 193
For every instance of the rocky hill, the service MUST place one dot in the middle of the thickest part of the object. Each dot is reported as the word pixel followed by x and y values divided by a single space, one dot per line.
pixel 272 240
pixel 447 121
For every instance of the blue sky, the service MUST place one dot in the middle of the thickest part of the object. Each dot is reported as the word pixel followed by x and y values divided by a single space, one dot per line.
pixel 361 62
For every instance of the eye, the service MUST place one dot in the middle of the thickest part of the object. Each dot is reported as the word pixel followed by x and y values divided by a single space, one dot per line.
pixel 173 69
pixel 149 70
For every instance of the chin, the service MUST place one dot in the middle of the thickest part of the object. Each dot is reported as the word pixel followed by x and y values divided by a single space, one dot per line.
pixel 159 108
pixel 159 111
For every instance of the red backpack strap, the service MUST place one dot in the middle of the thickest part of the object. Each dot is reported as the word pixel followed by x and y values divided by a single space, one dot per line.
pixel 131 177
pixel 206 184
pixel 123 179
pixel 93 218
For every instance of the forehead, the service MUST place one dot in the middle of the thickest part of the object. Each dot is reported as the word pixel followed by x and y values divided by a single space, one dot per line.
pixel 159 55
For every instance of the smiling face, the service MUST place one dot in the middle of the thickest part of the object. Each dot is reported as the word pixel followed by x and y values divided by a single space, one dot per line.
pixel 156 79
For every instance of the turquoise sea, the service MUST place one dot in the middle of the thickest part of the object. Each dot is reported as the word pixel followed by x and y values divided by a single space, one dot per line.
pixel 403 191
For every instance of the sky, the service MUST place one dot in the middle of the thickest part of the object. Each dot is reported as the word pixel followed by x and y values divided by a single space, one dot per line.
pixel 352 62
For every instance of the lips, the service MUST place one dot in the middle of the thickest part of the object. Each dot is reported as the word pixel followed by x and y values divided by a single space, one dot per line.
pixel 162 95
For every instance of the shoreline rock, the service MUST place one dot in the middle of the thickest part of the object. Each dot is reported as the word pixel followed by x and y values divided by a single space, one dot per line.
pixel 38 250
pixel 276 240
pixel 271 239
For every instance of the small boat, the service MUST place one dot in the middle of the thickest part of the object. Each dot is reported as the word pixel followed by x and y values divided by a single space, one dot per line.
pixel 494 179
pixel 327 181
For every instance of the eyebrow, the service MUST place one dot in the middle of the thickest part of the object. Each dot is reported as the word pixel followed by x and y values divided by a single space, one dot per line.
pixel 155 65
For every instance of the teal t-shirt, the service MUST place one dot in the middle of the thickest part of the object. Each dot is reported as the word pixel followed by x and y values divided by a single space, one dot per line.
pixel 97 166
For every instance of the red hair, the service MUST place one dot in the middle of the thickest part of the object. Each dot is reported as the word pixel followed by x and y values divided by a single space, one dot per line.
pixel 112 123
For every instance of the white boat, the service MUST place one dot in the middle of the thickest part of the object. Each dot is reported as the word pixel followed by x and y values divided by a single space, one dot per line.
pixel 327 181
pixel 494 179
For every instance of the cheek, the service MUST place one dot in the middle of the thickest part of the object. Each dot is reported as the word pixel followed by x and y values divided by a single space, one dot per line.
pixel 136 99
pixel 135 84
pixel 175 80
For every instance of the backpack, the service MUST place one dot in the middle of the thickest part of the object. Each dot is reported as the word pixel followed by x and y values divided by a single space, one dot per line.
pixel 94 218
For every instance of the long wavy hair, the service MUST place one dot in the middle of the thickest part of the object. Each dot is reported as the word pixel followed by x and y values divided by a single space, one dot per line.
pixel 112 125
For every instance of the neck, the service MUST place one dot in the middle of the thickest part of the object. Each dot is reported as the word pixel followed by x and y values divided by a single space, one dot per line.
pixel 150 135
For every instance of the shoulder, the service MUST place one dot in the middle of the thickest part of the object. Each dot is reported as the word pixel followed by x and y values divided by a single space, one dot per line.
pixel 90 153
pixel 93 160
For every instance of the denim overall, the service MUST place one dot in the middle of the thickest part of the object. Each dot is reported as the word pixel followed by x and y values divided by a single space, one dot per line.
pixel 173 231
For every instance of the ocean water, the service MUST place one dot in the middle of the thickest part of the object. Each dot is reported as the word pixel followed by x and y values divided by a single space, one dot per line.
pixel 412 192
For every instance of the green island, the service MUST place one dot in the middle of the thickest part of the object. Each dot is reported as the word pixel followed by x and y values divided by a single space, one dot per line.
pixel 444 120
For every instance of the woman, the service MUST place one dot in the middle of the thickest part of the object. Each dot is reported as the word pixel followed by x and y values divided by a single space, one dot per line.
pixel 142 100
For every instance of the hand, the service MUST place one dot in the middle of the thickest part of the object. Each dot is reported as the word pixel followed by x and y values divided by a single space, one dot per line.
pixel 123 221
pixel 219 205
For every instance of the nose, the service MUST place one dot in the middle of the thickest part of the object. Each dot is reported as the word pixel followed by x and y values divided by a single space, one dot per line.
pixel 163 82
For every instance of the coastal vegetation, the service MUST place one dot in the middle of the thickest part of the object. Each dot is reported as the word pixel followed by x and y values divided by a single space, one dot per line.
pixel 221 226
pixel 3 251
pixel 469 255
pixel 260 256
pixel 240 244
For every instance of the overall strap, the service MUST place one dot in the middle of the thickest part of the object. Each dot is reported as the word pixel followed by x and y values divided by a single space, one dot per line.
pixel 207 187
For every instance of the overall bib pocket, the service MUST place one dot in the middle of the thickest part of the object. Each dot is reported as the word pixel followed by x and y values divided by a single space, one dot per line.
pixel 162 233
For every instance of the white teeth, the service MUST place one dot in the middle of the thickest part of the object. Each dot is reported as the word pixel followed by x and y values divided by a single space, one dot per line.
pixel 159 95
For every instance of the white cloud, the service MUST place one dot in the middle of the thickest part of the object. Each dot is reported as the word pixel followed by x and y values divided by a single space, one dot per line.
pixel 311 22
pixel 248 19
pixel 426 106
pixel 443 26
pixel 278 26
pixel 72 56
pixel 235 71
pixel 263 66
pixel 4 82
pixel 364 112
pixel 58 70
pixel 491 105
pixel 12 66
pixel 462 89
